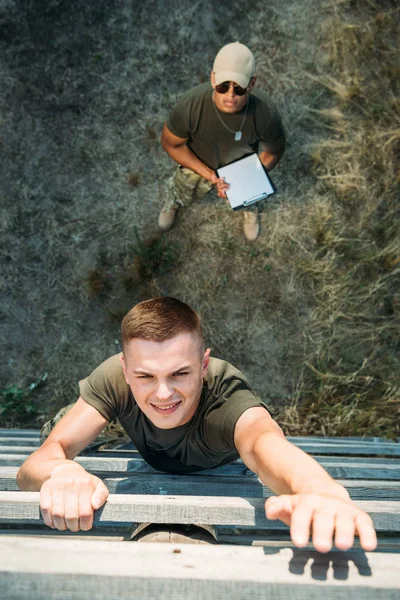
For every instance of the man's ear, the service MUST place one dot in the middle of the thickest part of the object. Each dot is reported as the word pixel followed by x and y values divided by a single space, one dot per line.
pixel 205 362
pixel 122 359
pixel 212 79
pixel 252 83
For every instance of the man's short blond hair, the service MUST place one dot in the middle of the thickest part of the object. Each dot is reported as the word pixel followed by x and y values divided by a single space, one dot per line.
pixel 160 319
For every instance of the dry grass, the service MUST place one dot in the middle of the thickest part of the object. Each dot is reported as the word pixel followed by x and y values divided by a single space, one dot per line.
pixel 311 311
pixel 350 382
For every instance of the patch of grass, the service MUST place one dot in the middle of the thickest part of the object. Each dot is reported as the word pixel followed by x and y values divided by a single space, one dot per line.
pixel 152 257
pixel 350 380
pixel 133 178
pixel 18 406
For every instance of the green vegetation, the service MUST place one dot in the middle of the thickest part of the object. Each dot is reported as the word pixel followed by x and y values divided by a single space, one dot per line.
pixel 18 406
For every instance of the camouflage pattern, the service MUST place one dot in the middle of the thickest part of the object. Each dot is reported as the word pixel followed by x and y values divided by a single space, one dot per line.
pixel 112 435
pixel 184 187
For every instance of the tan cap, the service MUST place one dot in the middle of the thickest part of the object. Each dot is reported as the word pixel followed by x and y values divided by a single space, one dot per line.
pixel 234 62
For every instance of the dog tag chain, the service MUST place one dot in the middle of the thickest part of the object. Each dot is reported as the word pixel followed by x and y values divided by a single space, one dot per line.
pixel 238 134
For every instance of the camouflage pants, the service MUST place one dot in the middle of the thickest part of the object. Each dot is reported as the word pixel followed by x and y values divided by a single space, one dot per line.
pixel 112 435
pixel 185 187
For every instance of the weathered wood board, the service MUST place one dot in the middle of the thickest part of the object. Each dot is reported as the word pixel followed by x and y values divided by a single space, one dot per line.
pixel 213 510
pixel 38 569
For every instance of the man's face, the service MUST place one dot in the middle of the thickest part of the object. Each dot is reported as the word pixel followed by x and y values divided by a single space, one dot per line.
pixel 230 102
pixel 166 378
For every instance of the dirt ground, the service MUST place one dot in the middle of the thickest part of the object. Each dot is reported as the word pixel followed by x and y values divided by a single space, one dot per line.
pixel 84 90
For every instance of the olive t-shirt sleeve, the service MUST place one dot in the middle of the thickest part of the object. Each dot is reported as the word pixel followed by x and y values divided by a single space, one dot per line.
pixel 178 121
pixel 228 406
pixel 269 126
pixel 106 389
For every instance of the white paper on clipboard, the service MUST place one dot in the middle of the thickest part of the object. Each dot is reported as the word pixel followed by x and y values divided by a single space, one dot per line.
pixel 248 181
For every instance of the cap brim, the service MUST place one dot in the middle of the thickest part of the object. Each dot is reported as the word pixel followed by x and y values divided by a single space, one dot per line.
pixel 238 78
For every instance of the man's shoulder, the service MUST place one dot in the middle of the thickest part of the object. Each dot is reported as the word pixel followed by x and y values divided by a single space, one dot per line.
pixel 222 373
pixel 109 371
pixel 196 94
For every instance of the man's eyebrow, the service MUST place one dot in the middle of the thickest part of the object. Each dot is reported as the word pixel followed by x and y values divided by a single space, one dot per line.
pixel 184 368
pixel 144 372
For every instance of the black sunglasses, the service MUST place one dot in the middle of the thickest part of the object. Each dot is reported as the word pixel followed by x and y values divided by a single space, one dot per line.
pixel 224 87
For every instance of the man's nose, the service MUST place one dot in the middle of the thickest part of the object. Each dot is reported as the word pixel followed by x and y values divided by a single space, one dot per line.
pixel 163 391
pixel 231 91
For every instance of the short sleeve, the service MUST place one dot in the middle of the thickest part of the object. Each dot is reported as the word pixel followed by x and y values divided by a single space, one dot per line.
pixel 106 389
pixel 269 127
pixel 178 121
pixel 230 401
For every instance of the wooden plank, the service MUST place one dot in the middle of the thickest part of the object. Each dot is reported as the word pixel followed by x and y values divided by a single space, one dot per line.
pixel 41 568
pixel 28 442
pixel 34 433
pixel 335 439
pixel 18 449
pixel 23 507
pixel 351 448
pixel 344 468
pixel 360 449
pixel 211 485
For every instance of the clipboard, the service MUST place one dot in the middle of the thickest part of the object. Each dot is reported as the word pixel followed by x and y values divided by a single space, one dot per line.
pixel 249 182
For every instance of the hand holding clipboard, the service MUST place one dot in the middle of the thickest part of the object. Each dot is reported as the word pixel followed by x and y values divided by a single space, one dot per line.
pixel 248 182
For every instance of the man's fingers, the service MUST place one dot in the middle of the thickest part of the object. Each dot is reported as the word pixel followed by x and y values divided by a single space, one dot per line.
pixel 366 532
pixel 46 502
pixel 71 503
pixel 100 495
pixel 85 512
pixel 344 532
pixel 300 525
pixel 280 507
pixel 323 527
pixel 58 509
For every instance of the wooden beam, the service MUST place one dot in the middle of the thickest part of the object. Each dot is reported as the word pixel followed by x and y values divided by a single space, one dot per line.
pixel 311 447
pixel 26 450
pixel 34 433
pixel 210 485
pixel 35 569
pixel 125 508
pixel 337 467
pixel 29 442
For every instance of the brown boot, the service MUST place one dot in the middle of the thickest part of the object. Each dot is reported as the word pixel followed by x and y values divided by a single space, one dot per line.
pixel 166 220
pixel 251 226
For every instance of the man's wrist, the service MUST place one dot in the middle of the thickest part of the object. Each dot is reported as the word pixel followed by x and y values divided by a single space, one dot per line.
pixel 332 488
pixel 212 176
pixel 64 465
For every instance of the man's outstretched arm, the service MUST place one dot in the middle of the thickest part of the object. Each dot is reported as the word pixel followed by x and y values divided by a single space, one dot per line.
pixel 68 494
pixel 308 499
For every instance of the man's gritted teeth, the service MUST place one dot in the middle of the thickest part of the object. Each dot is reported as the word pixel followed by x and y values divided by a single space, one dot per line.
pixel 167 407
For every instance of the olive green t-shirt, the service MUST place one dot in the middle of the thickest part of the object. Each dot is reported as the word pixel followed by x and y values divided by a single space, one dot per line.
pixel 195 118
pixel 206 441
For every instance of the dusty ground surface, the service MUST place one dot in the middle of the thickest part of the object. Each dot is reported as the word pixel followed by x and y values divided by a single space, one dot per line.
pixel 84 90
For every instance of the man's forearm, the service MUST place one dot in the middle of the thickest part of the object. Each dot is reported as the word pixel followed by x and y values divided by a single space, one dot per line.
pixel 39 467
pixel 269 160
pixel 288 470
pixel 185 157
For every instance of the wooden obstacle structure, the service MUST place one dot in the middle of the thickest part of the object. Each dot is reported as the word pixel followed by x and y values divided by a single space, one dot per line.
pixel 253 559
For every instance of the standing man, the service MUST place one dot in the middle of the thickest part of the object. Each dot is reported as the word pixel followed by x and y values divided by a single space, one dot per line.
pixel 215 124
pixel 186 411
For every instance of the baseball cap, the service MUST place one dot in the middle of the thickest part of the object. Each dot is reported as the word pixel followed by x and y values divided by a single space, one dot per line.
pixel 234 62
